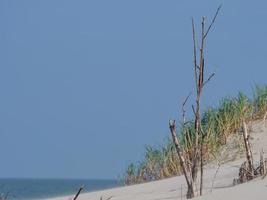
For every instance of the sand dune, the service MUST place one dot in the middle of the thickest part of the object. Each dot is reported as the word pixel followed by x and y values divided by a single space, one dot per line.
pixel 175 188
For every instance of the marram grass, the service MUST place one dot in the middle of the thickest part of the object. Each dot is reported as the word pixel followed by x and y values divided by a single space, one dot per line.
pixel 217 125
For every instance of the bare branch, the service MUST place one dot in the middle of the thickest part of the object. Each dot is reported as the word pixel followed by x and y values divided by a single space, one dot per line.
pixel 210 77
pixel 201 61
pixel 183 109
pixel 78 193
pixel 172 126
pixel 195 51
pixel 213 21
pixel 186 99
pixel 248 148
pixel 215 175
pixel 194 111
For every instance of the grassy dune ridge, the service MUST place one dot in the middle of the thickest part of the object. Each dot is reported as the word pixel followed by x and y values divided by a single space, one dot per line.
pixel 217 124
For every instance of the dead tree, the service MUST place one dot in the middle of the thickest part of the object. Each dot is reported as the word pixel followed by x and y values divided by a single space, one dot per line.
pixel 191 164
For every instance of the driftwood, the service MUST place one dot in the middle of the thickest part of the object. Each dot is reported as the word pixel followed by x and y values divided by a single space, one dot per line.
pixel 191 186
pixel 263 164
pixel 78 193
pixel 248 166
pixel 248 170
pixel 246 175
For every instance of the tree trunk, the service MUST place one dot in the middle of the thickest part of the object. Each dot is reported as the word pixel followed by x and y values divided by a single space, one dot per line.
pixel 191 183
pixel 191 191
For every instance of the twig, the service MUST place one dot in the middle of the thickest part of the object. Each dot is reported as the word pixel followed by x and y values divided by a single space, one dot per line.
pixel 78 193
pixel 184 130
pixel 186 99
pixel 194 51
pixel 183 109
pixel 210 77
pixel 213 20
pixel 214 177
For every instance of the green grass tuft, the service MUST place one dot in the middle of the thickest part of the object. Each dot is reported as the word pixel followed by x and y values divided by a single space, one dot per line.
pixel 217 125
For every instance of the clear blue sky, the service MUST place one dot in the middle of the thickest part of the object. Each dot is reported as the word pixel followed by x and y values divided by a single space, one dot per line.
pixel 84 85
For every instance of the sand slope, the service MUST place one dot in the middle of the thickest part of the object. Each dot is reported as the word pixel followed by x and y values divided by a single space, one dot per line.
pixel 175 188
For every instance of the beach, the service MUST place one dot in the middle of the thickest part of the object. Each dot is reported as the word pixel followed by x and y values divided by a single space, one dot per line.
pixel 218 178
pixel 171 188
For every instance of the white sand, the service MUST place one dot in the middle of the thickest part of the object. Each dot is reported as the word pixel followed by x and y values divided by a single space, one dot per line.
pixel 175 188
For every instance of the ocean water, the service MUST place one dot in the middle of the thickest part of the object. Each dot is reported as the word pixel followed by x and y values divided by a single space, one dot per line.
pixel 32 189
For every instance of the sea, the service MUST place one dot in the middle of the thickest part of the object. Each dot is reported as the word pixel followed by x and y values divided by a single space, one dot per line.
pixel 35 189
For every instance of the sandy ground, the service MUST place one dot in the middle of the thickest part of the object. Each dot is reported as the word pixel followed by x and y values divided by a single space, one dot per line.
pixel 219 186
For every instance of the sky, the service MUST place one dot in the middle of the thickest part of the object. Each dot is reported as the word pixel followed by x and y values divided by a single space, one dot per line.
pixel 85 85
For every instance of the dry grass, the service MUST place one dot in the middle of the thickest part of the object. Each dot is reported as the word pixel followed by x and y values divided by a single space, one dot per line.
pixel 217 125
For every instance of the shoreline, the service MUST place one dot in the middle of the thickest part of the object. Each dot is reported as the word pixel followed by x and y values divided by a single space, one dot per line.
pixel 218 179
pixel 175 188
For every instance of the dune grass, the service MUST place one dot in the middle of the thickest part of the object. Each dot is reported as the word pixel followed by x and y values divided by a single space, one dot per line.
pixel 217 125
